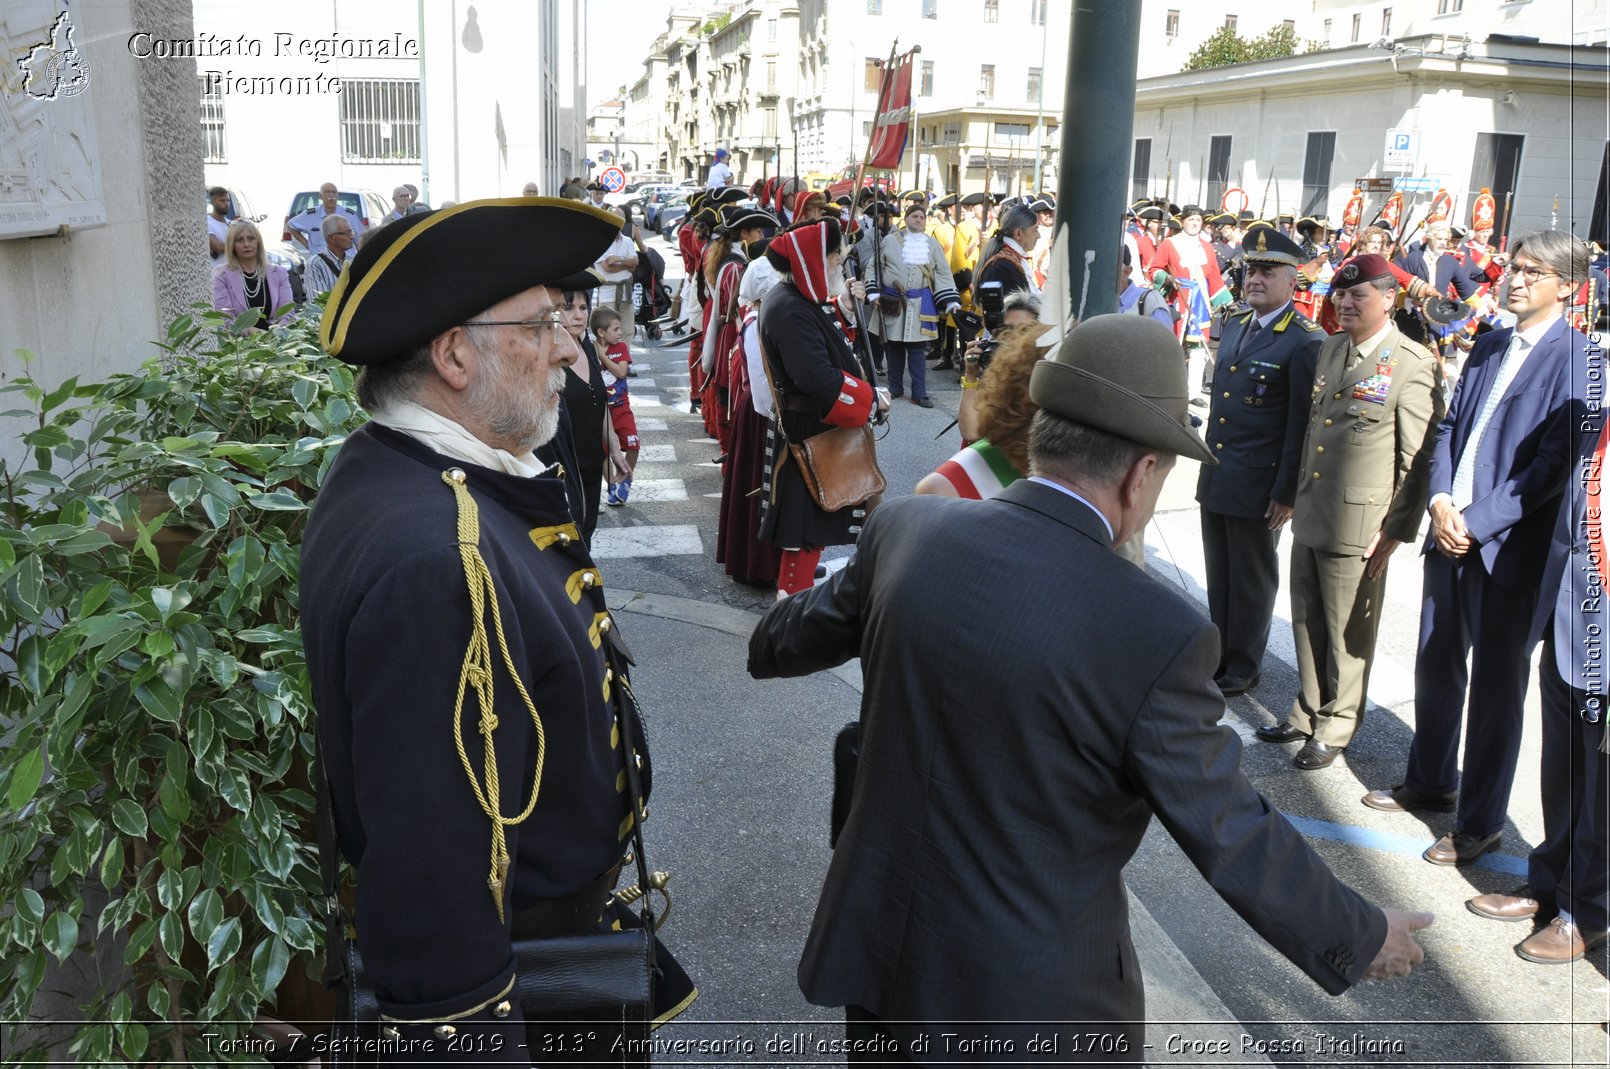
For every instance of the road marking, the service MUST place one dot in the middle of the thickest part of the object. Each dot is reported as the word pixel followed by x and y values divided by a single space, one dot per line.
pixel 643 401
pixel 633 385
pixel 649 423
pixel 658 490
pixel 679 540
pixel 703 441
pixel 658 453
pixel 1387 842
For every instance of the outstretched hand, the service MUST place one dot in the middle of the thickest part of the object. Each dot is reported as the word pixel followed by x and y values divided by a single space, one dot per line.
pixel 1399 954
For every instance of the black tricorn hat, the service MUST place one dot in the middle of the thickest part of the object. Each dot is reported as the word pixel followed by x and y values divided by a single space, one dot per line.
pixel 948 201
pixel 1245 216
pixel 735 217
pixel 1151 211
pixel 596 187
pixel 727 195
pixel 423 274
pixel 974 198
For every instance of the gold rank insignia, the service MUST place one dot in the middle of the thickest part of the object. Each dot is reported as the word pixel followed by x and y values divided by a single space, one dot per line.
pixel 1263 242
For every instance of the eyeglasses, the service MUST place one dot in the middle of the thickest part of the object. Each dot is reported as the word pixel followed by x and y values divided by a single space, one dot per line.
pixel 1532 273
pixel 541 329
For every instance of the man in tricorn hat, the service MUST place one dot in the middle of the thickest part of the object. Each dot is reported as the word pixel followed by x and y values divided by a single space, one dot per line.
pixel 1361 490
pixel 1258 407
pixel 1026 915
pixel 477 815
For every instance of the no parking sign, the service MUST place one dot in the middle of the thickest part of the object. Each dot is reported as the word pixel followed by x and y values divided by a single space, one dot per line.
pixel 613 179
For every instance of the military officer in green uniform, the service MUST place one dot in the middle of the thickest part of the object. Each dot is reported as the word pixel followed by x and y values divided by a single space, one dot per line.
pixel 1361 491
pixel 1262 383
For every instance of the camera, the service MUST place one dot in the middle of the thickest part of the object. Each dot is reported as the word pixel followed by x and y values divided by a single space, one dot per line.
pixel 992 299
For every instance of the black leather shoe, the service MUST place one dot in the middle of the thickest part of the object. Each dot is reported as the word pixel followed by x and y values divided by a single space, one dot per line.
pixel 1280 733
pixel 922 402
pixel 1402 799
pixel 1316 755
pixel 1229 686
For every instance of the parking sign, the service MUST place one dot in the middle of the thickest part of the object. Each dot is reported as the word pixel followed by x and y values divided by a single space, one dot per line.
pixel 1402 149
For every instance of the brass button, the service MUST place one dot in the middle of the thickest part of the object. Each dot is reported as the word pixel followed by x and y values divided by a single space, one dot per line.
pixel 1232 367
pixel 1327 423
pixel 563 537
pixel 457 474
pixel 1316 474
pixel 1319 449
pixel 1219 446
pixel 604 624
pixel 588 580
pixel 445 1031
pixel 1338 395
pixel 1221 421
pixel 502 1009
pixel 1226 393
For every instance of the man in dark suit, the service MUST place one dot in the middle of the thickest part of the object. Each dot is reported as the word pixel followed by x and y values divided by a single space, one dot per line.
pixel 979 876
pixel 1568 874
pixel 1262 385
pixel 1500 461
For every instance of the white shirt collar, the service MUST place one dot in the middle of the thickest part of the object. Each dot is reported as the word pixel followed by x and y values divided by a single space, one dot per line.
pixel 1368 346
pixel 1264 321
pixel 1532 335
pixel 1043 481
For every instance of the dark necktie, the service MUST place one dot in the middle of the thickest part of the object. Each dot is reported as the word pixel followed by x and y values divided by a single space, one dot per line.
pixel 1249 337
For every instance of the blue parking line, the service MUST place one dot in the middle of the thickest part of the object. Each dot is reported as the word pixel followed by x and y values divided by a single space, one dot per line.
pixel 1396 844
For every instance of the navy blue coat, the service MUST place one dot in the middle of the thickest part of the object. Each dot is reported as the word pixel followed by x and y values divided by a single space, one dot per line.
pixel 1525 454
pixel 1573 597
pixel 1450 272
pixel 1258 413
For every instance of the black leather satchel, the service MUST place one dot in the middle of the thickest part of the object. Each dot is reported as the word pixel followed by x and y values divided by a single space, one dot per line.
pixel 606 977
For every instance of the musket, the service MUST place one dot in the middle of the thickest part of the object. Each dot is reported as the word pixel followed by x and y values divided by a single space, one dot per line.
pixel 1265 202
pixel 1201 178
pixel 1503 229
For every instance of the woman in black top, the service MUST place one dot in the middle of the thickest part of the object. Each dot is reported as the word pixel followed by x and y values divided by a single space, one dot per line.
pixel 586 399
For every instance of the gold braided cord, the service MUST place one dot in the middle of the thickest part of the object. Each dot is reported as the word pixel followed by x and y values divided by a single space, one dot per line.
pixel 477 672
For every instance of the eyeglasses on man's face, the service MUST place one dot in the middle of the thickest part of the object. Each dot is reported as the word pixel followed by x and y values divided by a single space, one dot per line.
pixel 1531 273
pixel 542 328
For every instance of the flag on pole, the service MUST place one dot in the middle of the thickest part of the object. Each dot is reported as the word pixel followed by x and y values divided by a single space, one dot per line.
pixel 892 124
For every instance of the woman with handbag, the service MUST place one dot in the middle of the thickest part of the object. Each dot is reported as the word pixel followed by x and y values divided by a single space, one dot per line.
pixel 818 389
pixel 246 281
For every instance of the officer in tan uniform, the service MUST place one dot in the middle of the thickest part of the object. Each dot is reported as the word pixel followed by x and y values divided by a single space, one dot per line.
pixel 1361 491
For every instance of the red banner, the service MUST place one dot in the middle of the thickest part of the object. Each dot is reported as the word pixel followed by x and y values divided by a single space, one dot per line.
pixel 892 125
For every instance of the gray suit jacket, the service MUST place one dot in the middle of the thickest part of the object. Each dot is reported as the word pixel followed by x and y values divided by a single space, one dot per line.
pixel 1031 700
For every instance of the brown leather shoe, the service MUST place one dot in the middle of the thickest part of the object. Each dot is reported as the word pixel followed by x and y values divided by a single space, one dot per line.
pixel 1460 847
pixel 1401 799
pixel 1559 944
pixel 1517 905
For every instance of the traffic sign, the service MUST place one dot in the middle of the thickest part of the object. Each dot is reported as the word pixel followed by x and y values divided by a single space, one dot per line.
pixel 1402 149
pixel 1373 185
pixel 1424 184
pixel 613 179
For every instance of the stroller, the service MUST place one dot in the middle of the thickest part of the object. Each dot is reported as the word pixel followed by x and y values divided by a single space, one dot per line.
pixel 651 297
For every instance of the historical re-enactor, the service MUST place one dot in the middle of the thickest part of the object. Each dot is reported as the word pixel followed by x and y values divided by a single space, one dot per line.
pixel 1361 491
pixel 1258 409
pixel 469 826
pixel 977 887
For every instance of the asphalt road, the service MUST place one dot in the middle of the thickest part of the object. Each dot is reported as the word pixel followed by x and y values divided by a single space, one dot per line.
pixel 743 778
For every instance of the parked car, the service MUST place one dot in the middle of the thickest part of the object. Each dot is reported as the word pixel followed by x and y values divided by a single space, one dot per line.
pixel 280 253
pixel 370 207
pixel 633 198
pixel 671 216
pixel 658 201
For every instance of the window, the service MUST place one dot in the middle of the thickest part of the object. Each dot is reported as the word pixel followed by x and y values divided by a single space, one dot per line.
pixel 1496 164
pixel 986 81
pixel 930 9
pixel 1035 78
pixel 1230 22
pixel 1289 25
pixel 1326 38
pixel 1386 22
pixel 953 132
pixel 212 123
pixel 1037 12
pixel 1358 22
pixel 771 29
pixel 992 10
pixel 1450 7
pixel 380 120
pixel 769 125
pixel 1218 169
pixel 874 71
pixel 1006 131
pixel 1141 173
pixel 926 86
pixel 874 7
pixel 1172 27
pixel 771 76
pixel 1316 172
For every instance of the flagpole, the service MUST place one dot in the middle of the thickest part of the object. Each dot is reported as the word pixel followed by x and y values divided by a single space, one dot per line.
pixel 863 347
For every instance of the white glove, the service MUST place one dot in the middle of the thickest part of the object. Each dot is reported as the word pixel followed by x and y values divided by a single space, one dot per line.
pixel 885 400
pixel 954 306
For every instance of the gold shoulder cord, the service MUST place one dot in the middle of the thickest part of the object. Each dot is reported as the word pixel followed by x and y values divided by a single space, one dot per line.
pixel 477 671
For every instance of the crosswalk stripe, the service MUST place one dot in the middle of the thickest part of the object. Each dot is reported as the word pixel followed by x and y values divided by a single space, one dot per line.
pixel 649 423
pixel 658 453
pixel 614 543
pixel 658 490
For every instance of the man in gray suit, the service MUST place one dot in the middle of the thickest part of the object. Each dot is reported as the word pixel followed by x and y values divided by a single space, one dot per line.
pixel 977 885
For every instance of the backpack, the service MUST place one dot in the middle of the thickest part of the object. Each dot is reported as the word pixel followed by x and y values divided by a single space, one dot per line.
pixel 1150 302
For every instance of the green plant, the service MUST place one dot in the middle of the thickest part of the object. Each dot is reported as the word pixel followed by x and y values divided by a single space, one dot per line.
pixel 1226 47
pixel 154 703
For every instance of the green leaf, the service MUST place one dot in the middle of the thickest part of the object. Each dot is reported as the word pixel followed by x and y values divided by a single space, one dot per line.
pixel 202 731
pixel 129 818
pixel 169 601
pixel 175 800
pixel 183 491
pixel 205 913
pixel 278 501
pixel 60 935
pixel 134 1038
pixel 172 932
pixel 156 997
pixel 159 700
pixel 30 588
pixel 305 392
pixel 83 542
pixel 235 789
pixel 298 933
pixel 216 508
pixel 58 395
pixel 31 905
pixel 269 962
pixel 25 777
pixel 140 942
pixel 112 864
pixel 170 889
pixel 31 670
pixel 224 943
pixel 158 645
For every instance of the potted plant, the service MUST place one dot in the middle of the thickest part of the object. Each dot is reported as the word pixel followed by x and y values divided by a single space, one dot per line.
pixel 155 715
